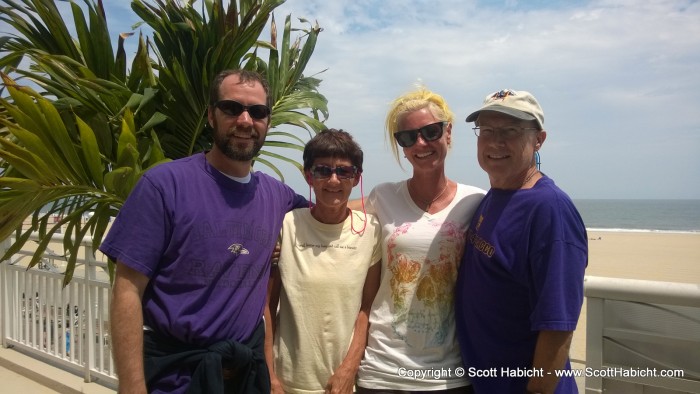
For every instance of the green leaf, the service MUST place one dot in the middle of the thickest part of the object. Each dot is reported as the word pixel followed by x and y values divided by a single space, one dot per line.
pixel 127 141
pixel 91 152
pixel 283 158
pixel 60 136
pixel 155 120
pixel 16 246
pixel 25 185
pixel 155 155
pixel 54 169
pixel 119 181
pixel 271 166
pixel 27 163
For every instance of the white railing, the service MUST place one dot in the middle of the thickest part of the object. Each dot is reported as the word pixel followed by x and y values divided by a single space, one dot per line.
pixel 633 327
pixel 64 326
pixel 642 336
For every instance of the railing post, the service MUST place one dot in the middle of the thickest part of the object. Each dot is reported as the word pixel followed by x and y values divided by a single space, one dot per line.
pixel 89 274
pixel 4 294
pixel 594 342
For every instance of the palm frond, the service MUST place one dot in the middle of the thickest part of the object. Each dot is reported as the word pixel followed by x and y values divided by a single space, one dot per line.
pixel 56 168
pixel 82 140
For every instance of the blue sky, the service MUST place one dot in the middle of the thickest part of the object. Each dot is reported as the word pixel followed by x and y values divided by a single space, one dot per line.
pixel 617 80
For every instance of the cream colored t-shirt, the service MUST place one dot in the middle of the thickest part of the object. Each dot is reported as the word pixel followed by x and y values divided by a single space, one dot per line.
pixel 412 341
pixel 323 269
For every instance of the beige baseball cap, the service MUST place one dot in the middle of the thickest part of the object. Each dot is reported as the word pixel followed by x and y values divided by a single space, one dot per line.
pixel 518 104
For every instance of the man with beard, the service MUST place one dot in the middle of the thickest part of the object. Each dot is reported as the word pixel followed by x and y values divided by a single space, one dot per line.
pixel 192 244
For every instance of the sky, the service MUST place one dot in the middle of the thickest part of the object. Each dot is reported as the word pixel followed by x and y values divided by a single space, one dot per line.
pixel 617 80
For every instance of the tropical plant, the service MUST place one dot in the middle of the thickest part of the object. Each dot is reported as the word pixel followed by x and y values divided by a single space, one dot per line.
pixel 78 128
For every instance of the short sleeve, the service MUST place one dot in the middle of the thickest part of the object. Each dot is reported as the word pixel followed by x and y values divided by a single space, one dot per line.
pixel 139 233
pixel 371 202
pixel 377 251
pixel 557 268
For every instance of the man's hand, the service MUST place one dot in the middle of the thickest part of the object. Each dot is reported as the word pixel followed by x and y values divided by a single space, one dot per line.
pixel 551 353
pixel 276 254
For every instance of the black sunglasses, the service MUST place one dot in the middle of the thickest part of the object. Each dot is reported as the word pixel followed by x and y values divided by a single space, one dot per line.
pixel 325 172
pixel 431 132
pixel 234 108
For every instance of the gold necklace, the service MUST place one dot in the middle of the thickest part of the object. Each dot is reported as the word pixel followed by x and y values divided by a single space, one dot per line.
pixel 427 208
pixel 528 178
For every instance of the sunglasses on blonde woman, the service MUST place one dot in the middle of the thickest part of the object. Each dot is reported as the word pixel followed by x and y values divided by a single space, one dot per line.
pixel 431 132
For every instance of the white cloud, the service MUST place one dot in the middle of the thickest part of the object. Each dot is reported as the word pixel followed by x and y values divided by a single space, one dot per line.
pixel 616 78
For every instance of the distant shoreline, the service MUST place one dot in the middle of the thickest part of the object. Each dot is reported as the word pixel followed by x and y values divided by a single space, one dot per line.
pixel 628 230
pixel 639 216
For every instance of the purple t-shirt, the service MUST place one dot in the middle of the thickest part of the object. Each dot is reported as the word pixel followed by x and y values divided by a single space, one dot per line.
pixel 522 272
pixel 205 242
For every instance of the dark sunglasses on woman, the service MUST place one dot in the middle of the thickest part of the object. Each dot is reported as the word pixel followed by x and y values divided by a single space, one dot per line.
pixel 325 172
pixel 234 108
pixel 431 132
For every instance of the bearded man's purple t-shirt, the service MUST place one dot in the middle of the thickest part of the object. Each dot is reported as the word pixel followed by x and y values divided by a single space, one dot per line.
pixel 205 242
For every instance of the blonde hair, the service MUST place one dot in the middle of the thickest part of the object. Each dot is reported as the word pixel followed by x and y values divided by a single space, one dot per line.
pixel 410 102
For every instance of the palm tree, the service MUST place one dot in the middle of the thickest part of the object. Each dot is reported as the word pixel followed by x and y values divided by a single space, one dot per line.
pixel 81 138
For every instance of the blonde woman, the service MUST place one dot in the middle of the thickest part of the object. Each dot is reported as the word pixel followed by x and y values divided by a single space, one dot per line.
pixel 412 344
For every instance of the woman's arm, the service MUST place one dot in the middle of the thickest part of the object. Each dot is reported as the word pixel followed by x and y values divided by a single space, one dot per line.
pixel 270 313
pixel 343 379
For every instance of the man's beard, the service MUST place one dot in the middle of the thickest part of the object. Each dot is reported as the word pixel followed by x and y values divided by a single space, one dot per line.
pixel 232 150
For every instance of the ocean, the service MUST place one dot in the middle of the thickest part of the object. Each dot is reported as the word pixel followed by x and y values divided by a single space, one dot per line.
pixel 641 215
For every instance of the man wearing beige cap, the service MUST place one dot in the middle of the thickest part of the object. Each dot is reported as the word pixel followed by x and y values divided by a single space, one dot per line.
pixel 520 285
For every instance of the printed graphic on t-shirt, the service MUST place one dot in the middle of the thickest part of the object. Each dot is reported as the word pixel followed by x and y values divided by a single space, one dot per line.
pixel 422 286
pixel 238 231
pixel 242 274
pixel 238 267
pixel 304 245
pixel 480 244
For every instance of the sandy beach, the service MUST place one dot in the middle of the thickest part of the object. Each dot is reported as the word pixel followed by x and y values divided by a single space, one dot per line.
pixel 669 257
